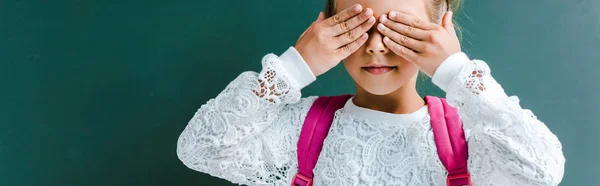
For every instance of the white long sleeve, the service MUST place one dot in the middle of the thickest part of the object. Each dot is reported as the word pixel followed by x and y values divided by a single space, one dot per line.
pixel 508 145
pixel 248 133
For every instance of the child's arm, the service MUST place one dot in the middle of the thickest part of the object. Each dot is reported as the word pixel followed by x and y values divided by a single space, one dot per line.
pixel 508 145
pixel 248 133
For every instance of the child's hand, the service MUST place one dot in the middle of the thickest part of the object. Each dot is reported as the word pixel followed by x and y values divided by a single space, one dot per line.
pixel 421 42
pixel 326 42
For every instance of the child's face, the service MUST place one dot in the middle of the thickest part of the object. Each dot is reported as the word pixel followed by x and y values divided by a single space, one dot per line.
pixel 375 52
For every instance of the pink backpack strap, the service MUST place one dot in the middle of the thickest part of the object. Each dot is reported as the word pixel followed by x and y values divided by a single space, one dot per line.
pixel 315 129
pixel 450 140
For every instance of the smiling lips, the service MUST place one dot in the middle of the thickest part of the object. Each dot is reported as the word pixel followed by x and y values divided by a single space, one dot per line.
pixel 378 69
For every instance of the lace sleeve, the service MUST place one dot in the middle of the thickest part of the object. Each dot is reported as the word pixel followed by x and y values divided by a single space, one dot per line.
pixel 508 145
pixel 246 134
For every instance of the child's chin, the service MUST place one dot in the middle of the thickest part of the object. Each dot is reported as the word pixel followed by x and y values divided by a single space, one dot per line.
pixel 380 89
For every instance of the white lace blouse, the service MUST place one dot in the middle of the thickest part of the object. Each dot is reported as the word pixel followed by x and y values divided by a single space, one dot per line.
pixel 248 133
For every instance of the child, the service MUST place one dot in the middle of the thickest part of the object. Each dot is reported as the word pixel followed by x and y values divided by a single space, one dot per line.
pixel 382 135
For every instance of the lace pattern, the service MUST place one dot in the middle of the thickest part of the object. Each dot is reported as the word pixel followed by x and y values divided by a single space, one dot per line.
pixel 248 135
pixel 233 136
pixel 508 144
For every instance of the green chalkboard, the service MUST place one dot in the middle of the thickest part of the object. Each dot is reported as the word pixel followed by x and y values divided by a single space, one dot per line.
pixel 96 93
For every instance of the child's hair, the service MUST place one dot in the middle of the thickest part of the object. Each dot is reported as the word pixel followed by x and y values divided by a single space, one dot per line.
pixel 435 10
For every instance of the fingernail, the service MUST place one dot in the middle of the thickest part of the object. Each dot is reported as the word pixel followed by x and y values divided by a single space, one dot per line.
pixel 380 26
pixel 368 12
pixel 357 8
pixel 392 14
pixel 386 39
pixel 371 20
pixel 383 18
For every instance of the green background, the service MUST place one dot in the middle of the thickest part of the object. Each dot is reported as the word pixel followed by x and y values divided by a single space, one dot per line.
pixel 97 92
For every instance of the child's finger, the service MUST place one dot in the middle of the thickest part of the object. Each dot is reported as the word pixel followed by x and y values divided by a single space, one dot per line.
pixel 352 35
pixel 447 23
pixel 400 39
pixel 411 20
pixel 343 15
pixel 400 50
pixel 352 23
pixel 350 48
pixel 320 18
pixel 403 29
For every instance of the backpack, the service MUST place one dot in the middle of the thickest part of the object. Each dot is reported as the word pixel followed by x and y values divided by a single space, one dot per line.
pixel 445 122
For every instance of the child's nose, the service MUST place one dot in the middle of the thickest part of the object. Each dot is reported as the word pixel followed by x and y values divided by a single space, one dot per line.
pixel 375 44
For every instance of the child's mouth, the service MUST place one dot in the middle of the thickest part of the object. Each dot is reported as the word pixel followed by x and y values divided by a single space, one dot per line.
pixel 379 70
